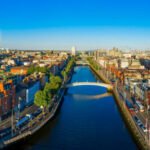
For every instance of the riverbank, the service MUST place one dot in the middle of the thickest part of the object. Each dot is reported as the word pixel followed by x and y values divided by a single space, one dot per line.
pixel 35 123
pixel 32 131
pixel 57 100
pixel 82 123
pixel 142 144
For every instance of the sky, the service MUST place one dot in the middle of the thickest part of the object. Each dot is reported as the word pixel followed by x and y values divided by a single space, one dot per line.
pixel 86 24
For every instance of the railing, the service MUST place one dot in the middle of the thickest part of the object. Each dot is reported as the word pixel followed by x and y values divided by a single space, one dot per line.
pixel 17 138
pixel 88 83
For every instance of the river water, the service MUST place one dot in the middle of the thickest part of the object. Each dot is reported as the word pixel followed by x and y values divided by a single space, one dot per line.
pixel 84 121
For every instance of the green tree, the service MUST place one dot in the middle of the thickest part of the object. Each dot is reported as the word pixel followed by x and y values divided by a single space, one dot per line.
pixel 58 80
pixel 53 87
pixel 47 87
pixel 31 69
pixel 55 79
pixel 64 74
pixel 42 98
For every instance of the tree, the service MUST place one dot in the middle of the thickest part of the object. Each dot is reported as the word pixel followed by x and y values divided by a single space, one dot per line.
pixel 42 98
pixel 47 87
pixel 53 87
pixel 38 98
pixel 66 71
pixel 55 79
pixel 93 63
pixel 58 80
pixel 64 74
pixel 31 69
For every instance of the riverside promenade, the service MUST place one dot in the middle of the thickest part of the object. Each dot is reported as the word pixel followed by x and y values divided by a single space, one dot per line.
pixel 139 139
pixel 35 124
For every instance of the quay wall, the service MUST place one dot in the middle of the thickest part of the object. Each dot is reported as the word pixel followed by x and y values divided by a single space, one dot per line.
pixel 51 114
pixel 140 141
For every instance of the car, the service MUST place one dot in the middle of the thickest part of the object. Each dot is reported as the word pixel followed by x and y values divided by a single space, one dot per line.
pixel 137 120
pixel 143 128
pixel 113 80
pixel 36 113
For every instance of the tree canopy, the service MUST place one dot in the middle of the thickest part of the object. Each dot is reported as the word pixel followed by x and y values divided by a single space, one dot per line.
pixel 67 69
pixel 42 98
pixel 33 69
pixel 93 63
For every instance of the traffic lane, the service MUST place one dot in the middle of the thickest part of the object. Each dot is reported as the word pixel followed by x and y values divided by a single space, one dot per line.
pixel 141 117
pixel 139 114
pixel 28 110
pixel 25 127
pixel 5 122
pixel 144 134
pixel 21 113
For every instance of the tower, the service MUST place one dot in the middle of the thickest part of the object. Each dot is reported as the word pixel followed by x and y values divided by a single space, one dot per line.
pixel 73 51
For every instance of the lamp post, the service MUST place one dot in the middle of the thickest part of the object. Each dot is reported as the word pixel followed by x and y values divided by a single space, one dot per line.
pixel 147 118
pixel 12 117
pixel 12 125
pixel 124 97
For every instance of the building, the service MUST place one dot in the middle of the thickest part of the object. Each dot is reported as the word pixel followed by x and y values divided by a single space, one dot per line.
pixel 7 97
pixel 73 51
pixel 19 70
pixel 31 90
pixel 114 53
pixel 26 90
pixel 124 63
pixel 135 64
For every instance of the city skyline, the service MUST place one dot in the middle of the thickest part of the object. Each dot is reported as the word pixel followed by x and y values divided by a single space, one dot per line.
pixel 85 24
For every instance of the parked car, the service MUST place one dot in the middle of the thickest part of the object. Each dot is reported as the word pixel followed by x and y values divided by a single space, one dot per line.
pixel 137 120
pixel 143 128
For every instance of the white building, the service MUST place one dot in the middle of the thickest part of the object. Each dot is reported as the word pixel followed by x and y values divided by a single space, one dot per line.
pixel 30 92
pixel 124 63
pixel 26 63
pixel 73 51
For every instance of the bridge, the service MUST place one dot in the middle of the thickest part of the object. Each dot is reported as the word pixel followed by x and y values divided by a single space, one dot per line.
pixel 80 62
pixel 108 86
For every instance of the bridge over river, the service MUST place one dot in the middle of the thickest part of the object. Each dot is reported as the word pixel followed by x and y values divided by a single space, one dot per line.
pixel 82 62
pixel 108 86
pixel 85 121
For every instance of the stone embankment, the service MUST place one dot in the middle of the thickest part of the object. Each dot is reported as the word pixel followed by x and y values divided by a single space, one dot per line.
pixel 141 142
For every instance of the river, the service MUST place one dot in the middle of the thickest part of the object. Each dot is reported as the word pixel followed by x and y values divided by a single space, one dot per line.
pixel 84 122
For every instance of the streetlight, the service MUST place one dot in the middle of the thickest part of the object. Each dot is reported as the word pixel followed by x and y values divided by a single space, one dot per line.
pixel 147 118
pixel 42 110
pixel 124 97
pixel 19 107
pixel 12 122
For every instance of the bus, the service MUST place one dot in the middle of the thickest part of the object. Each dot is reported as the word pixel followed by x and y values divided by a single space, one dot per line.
pixel 140 106
pixel 23 121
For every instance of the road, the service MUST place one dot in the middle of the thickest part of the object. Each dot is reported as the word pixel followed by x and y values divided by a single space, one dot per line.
pixel 141 115
pixel 7 122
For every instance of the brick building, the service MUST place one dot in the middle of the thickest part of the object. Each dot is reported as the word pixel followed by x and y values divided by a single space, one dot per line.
pixel 7 96
pixel 19 70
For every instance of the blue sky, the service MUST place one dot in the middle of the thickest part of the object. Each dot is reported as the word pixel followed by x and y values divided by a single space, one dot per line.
pixel 87 24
